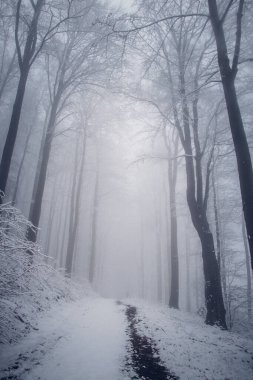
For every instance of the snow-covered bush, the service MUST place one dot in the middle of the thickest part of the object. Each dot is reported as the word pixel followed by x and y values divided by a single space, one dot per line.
pixel 27 284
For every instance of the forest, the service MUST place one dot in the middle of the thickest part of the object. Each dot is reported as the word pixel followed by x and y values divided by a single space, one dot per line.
pixel 126 189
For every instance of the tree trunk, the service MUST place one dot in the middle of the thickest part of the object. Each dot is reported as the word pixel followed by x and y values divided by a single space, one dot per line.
pixel 187 257
pixel 213 292
pixel 198 209
pixel 249 281
pixel 242 152
pixel 93 253
pixel 174 287
pixel 217 226
pixel 12 132
pixel 159 255
pixel 35 209
pixel 14 197
pixel 75 212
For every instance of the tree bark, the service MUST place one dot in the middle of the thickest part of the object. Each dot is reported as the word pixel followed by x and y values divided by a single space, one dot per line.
pixel 75 212
pixel 172 178
pixel 12 132
pixel 25 63
pixel 242 151
pixel 249 280
pixel 35 209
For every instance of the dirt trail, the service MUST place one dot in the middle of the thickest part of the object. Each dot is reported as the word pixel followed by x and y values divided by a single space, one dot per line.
pixel 145 358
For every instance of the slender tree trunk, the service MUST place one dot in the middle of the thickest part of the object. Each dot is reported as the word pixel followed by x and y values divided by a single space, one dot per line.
pixel 35 209
pixel 14 197
pixel 197 281
pixel 249 280
pixel 64 238
pixel 93 253
pixel 12 132
pixel 172 177
pixel 75 213
pixel 40 156
pixel 159 256
pixel 7 75
pixel 50 224
pixel 217 227
pixel 242 151
pixel 70 246
pixel 25 63
pixel 142 263
pixel 187 257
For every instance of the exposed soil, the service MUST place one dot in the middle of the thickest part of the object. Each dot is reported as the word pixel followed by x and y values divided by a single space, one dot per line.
pixel 145 357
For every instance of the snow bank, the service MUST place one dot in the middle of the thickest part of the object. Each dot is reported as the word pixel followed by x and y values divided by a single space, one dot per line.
pixel 28 286
pixel 193 350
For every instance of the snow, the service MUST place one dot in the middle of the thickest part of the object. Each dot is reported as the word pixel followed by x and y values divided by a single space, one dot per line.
pixel 193 350
pixel 87 339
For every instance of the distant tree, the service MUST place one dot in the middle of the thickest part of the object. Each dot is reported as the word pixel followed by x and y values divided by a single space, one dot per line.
pixel 75 200
pixel 72 63
pixel 31 28
pixel 177 51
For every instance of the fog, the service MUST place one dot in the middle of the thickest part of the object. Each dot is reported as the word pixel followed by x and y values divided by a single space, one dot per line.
pixel 116 145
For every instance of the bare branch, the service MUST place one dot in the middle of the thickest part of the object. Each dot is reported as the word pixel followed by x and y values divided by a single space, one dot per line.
pixel 238 38
pixel 20 61
pixel 226 11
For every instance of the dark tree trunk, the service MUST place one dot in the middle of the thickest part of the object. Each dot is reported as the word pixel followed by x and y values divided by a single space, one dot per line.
pixel 188 286
pixel 35 209
pixel 8 74
pixel 217 224
pixel 242 152
pixel 213 293
pixel 12 132
pixel 249 280
pixel 25 63
pixel 14 197
pixel 174 294
pixel 172 176
pixel 72 211
pixel 197 202
pixel 75 213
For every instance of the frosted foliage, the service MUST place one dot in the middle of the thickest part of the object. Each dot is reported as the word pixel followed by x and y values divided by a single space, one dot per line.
pixel 27 284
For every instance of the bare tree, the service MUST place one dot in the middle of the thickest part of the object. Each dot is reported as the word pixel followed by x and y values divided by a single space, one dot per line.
pixel 228 74
pixel 76 65
pixel 34 40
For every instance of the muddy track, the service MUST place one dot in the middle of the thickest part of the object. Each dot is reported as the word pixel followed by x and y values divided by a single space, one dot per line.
pixel 145 357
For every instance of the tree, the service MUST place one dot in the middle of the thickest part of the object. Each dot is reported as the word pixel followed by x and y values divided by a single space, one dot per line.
pixel 75 202
pixel 75 64
pixel 29 15
pixel 172 143
pixel 228 74
pixel 8 59
pixel 178 55
pixel 94 221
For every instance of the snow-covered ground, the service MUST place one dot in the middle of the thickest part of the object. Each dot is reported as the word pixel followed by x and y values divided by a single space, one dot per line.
pixel 87 340
pixel 193 350
pixel 76 341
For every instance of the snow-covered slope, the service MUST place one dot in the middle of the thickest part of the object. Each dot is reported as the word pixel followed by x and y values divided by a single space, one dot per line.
pixel 76 341
pixel 193 350
pixel 90 339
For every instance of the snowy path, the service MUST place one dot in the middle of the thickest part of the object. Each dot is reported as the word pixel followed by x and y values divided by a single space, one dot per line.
pixel 83 341
pixel 101 339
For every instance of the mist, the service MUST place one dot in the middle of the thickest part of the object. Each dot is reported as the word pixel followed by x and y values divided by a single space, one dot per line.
pixel 126 189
